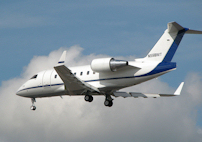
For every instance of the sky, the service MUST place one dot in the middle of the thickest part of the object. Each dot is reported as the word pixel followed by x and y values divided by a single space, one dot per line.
pixel 35 33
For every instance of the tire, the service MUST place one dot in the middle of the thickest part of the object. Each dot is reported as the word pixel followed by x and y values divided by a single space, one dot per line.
pixel 33 108
pixel 108 103
pixel 88 98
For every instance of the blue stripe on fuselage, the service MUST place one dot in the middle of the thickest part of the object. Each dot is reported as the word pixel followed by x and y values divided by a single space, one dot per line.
pixel 41 86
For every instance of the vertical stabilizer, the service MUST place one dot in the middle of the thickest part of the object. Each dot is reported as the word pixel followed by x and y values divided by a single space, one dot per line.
pixel 165 48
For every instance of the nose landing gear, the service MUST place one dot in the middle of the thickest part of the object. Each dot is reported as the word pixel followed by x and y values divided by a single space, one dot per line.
pixel 33 107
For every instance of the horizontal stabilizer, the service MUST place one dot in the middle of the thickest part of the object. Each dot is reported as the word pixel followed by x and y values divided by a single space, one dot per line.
pixel 137 95
pixel 175 27
pixel 193 32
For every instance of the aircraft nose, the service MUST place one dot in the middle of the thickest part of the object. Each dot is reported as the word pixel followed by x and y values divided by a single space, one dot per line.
pixel 20 91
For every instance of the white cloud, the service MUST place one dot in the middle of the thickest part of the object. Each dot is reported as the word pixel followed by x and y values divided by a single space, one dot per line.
pixel 73 119
pixel 199 131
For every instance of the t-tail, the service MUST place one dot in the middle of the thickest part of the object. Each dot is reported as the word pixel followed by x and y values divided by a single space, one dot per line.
pixel 165 48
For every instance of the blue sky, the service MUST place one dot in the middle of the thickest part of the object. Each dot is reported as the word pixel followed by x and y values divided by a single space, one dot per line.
pixel 115 28
pixel 126 28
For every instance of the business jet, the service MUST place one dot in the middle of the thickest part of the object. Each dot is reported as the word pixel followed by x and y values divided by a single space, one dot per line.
pixel 106 76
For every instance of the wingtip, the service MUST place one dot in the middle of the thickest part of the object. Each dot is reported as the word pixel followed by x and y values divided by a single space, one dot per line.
pixel 62 58
pixel 179 89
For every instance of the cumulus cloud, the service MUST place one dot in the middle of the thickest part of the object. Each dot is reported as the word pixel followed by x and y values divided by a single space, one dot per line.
pixel 73 119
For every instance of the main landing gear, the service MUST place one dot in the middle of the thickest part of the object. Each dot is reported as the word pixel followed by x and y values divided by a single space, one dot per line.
pixel 88 98
pixel 108 101
pixel 33 107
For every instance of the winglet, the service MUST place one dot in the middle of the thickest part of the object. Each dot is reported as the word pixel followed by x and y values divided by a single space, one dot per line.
pixel 179 89
pixel 62 59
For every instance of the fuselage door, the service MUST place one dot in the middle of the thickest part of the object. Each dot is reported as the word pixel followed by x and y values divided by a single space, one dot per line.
pixel 47 79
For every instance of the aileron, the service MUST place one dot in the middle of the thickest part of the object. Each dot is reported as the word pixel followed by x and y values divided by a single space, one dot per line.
pixel 145 95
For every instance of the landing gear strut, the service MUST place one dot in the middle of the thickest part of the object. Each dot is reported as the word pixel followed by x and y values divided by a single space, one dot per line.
pixel 88 98
pixel 33 107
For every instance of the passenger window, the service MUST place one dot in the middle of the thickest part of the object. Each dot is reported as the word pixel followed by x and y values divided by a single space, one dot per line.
pixel 56 76
pixel 81 73
pixel 74 73
pixel 33 77
pixel 87 72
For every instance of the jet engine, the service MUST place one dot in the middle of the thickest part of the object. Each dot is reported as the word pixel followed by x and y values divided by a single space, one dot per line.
pixel 107 64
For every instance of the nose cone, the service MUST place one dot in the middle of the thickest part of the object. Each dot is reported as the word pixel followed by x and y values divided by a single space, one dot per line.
pixel 21 91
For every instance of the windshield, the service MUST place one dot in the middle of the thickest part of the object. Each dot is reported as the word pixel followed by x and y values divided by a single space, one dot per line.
pixel 33 77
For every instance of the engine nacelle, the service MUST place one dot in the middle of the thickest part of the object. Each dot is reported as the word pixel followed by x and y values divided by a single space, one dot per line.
pixel 107 64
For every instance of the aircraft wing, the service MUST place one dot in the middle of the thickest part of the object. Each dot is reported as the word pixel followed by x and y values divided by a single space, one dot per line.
pixel 73 85
pixel 137 95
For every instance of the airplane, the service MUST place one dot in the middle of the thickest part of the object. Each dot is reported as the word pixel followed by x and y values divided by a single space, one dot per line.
pixel 106 76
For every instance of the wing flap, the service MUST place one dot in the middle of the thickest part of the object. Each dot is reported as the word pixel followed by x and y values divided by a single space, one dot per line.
pixel 144 95
pixel 135 95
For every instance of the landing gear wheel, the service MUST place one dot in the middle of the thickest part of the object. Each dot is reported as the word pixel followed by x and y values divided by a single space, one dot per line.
pixel 33 108
pixel 88 98
pixel 108 103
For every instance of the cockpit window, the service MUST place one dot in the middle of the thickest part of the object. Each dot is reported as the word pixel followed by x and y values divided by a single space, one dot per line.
pixel 35 76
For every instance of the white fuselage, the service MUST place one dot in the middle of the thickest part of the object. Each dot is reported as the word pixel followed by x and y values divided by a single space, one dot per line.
pixel 48 83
